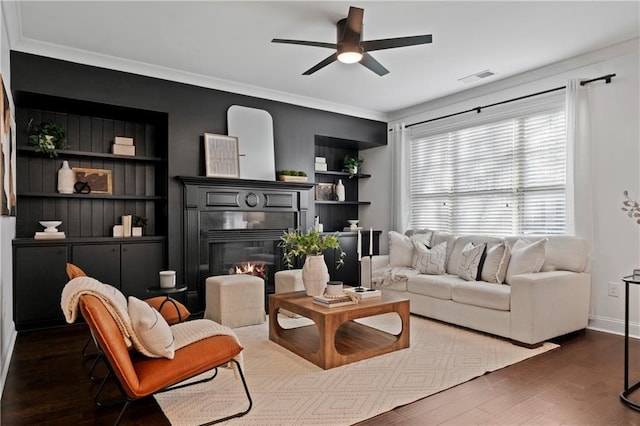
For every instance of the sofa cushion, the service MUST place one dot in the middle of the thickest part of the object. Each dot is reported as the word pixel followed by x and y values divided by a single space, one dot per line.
pixel 400 249
pixel 494 268
pixel 460 243
pixel 429 261
pixel 526 257
pixel 566 253
pixel 438 286
pixel 440 237
pixel 482 294
pixel 471 259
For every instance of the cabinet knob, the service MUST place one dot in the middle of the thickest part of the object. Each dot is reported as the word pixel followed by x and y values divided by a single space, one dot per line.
pixel 124 249
pixel 113 249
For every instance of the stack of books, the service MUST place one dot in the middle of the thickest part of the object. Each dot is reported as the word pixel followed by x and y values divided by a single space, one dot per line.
pixel 49 235
pixel 366 294
pixel 123 146
pixel 332 302
pixel 321 164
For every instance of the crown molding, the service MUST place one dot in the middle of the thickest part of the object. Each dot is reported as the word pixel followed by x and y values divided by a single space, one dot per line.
pixel 84 57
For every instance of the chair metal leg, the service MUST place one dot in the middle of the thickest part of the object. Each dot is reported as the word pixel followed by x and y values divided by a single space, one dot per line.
pixel 246 391
pixel 84 348
pixel 93 367
pixel 124 408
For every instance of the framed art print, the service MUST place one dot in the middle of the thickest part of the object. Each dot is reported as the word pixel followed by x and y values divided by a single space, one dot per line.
pixel 221 156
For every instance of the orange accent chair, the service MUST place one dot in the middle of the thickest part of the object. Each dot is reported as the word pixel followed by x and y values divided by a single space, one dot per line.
pixel 138 376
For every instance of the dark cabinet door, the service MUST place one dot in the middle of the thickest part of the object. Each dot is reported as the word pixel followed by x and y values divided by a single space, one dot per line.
pixel 140 264
pixel 100 261
pixel 40 276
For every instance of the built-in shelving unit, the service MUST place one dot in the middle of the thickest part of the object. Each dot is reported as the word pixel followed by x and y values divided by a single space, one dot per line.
pixel 334 214
pixel 139 187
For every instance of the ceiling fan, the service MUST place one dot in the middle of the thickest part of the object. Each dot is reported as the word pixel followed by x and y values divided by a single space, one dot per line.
pixel 350 47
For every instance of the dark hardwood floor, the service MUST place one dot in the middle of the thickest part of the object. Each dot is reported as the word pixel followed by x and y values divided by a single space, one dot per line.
pixel 577 384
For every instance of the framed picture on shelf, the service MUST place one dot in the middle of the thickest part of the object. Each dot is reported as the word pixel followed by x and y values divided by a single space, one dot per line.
pixel 221 156
pixel 324 192
pixel 98 180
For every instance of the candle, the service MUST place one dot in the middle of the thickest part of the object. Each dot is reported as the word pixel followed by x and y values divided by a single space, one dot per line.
pixel 359 246
pixel 371 242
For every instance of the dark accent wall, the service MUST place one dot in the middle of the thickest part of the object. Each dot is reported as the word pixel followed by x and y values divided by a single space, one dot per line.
pixel 192 111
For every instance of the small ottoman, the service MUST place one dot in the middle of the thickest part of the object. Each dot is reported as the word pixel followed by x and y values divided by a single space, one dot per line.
pixel 235 300
pixel 288 281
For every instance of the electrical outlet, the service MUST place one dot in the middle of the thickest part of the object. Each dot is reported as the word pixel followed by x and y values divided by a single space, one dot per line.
pixel 614 289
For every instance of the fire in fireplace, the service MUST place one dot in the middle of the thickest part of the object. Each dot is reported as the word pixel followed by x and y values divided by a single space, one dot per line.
pixel 249 268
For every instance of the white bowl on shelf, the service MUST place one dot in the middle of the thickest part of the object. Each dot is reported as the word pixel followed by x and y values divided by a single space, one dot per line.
pixel 353 223
pixel 50 225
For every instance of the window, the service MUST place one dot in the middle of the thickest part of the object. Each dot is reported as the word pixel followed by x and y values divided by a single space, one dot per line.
pixel 502 175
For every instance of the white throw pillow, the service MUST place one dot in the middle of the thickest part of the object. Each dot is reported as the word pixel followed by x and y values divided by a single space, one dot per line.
pixel 422 237
pixel 495 264
pixel 470 261
pixel 151 328
pixel 429 261
pixel 400 249
pixel 526 258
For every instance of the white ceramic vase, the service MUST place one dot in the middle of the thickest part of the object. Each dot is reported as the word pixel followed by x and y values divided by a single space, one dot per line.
pixel 340 190
pixel 65 179
pixel 315 275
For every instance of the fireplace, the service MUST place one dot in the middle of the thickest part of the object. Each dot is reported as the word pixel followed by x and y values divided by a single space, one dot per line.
pixel 231 224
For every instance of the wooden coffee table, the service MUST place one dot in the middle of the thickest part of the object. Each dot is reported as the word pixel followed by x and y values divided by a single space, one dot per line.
pixel 335 339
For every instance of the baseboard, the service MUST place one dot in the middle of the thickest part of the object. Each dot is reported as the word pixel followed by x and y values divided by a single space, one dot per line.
pixel 6 359
pixel 613 326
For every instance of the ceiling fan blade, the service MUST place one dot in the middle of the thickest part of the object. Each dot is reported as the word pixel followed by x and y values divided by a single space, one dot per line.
pixel 375 66
pixel 391 43
pixel 305 43
pixel 321 64
pixel 353 27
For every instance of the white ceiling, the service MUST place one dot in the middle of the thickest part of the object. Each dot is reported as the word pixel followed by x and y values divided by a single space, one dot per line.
pixel 226 45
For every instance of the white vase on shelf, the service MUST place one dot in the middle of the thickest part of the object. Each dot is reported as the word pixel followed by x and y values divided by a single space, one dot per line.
pixel 340 190
pixel 65 179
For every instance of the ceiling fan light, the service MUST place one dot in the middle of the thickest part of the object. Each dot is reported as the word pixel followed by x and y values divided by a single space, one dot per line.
pixel 349 57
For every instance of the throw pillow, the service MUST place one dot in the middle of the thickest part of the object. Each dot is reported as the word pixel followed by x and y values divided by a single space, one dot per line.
pixel 400 249
pixel 471 258
pixel 170 312
pixel 74 272
pixel 422 237
pixel 526 258
pixel 495 264
pixel 429 261
pixel 151 328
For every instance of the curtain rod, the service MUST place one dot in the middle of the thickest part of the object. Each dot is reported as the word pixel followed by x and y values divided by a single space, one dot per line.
pixel 607 78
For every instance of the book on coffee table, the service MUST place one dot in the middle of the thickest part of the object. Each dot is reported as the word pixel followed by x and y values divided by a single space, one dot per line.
pixel 332 302
pixel 363 294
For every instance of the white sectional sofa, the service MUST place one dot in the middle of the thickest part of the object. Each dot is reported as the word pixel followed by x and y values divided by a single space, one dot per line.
pixel 528 289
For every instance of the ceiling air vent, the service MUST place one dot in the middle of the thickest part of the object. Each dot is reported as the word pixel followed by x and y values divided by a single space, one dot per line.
pixel 477 76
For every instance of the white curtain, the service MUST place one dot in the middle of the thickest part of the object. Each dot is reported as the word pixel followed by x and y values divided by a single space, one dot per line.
pixel 579 161
pixel 400 179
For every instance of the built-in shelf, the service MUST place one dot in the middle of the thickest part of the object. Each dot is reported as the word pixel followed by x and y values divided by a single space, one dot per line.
pixel 353 203
pixel 86 154
pixel 92 196
pixel 335 173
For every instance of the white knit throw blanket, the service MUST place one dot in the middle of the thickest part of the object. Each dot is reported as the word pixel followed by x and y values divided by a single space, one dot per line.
pixel 115 302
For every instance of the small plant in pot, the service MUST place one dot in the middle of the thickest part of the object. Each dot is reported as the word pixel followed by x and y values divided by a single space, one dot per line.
pixel 311 245
pixel 47 137
pixel 292 176
pixel 137 223
pixel 352 165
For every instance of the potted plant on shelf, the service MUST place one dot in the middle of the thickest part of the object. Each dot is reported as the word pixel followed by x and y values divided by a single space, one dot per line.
pixel 137 222
pixel 292 176
pixel 352 165
pixel 47 137
pixel 311 245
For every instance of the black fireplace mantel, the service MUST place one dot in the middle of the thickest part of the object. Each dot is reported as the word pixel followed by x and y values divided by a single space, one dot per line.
pixel 203 195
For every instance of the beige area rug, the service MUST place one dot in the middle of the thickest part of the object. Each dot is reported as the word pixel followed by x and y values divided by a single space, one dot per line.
pixel 288 390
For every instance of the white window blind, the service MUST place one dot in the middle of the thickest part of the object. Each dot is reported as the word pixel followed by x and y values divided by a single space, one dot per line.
pixel 503 176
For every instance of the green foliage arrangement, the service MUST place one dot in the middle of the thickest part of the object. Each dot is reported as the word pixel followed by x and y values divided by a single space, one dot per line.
pixel 47 137
pixel 311 243
pixel 292 173
pixel 352 164
pixel 138 221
